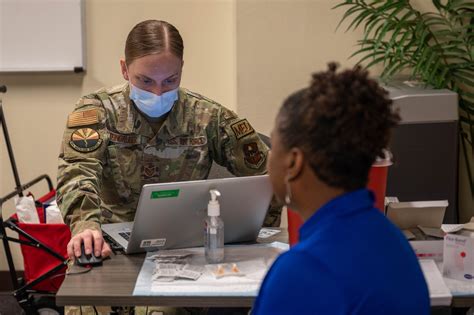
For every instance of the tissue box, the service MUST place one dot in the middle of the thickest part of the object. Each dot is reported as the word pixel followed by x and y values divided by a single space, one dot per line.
pixel 458 257
pixel 407 215
pixel 420 222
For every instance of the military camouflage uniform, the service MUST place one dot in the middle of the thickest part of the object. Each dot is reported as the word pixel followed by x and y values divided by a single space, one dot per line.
pixel 110 150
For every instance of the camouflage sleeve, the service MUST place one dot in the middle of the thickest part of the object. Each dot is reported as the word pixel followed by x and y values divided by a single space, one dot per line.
pixel 237 146
pixel 273 217
pixel 81 161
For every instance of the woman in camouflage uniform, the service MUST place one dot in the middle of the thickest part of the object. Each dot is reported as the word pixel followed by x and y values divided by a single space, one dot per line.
pixel 147 130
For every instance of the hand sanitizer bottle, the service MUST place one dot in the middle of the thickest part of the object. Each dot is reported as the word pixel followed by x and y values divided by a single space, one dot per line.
pixel 214 238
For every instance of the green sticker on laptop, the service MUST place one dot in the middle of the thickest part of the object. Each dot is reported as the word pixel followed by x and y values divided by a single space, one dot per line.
pixel 165 194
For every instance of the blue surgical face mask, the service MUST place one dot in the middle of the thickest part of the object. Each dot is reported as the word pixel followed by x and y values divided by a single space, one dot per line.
pixel 151 104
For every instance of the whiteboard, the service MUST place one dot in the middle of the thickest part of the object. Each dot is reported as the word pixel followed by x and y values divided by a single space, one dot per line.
pixel 41 35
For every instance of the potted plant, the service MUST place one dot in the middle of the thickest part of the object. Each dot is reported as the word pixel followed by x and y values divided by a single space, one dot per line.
pixel 434 47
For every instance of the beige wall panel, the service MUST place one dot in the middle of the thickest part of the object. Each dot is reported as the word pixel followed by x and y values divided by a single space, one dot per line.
pixel 280 43
pixel 37 105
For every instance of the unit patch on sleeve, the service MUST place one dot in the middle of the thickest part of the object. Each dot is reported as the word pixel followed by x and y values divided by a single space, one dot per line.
pixel 241 128
pixel 85 140
pixel 83 118
pixel 253 156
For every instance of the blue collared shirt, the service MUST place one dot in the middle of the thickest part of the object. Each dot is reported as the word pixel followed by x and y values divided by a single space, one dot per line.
pixel 349 260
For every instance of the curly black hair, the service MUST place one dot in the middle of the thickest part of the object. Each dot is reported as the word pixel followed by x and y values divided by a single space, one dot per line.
pixel 342 122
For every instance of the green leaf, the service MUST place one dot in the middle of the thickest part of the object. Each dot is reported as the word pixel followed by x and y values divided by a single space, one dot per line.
pixel 374 62
pixel 401 43
pixel 430 62
pixel 438 46
pixel 462 28
pixel 342 4
pixel 407 15
pixel 372 55
pixel 467 94
pixel 455 57
pixel 466 14
pixel 425 38
pixel 371 22
pixel 348 13
pixel 456 41
pixel 387 27
pixel 465 120
pixel 441 77
pixel 438 4
pixel 463 5
pixel 370 27
pixel 465 65
pixel 359 19
pixel 468 71
pixel 432 19
pixel 390 5
pixel 454 49
pixel 379 29
pixel 422 60
pixel 464 79
pixel 439 34
pixel 432 79
pixel 395 34
pixel 398 8
pixel 362 50
pixel 466 106
pixel 395 68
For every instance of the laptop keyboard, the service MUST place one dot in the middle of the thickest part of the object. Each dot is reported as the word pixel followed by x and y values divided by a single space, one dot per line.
pixel 125 235
pixel 116 247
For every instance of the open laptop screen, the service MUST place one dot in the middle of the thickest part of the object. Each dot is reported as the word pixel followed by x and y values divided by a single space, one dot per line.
pixel 171 215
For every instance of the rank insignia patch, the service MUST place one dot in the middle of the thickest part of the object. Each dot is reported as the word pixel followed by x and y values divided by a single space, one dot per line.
pixel 241 128
pixel 253 156
pixel 149 171
pixel 85 140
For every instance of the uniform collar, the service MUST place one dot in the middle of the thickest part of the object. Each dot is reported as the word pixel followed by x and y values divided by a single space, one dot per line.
pixel 175 123
pixel 354 201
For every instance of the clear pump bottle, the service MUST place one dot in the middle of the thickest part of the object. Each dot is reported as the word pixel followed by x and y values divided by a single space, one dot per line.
pixel 214 236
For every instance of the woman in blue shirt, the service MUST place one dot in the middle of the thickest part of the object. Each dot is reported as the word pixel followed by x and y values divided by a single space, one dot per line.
pixel 350 259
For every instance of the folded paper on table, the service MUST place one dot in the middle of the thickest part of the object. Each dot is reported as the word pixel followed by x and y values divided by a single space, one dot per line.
pixel 253 261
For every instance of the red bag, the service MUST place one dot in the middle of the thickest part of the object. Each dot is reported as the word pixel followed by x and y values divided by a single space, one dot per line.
pixel 38 261
pixel 377 183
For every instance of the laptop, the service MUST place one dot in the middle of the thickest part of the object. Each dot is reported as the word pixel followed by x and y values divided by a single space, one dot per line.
pixel 171 215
